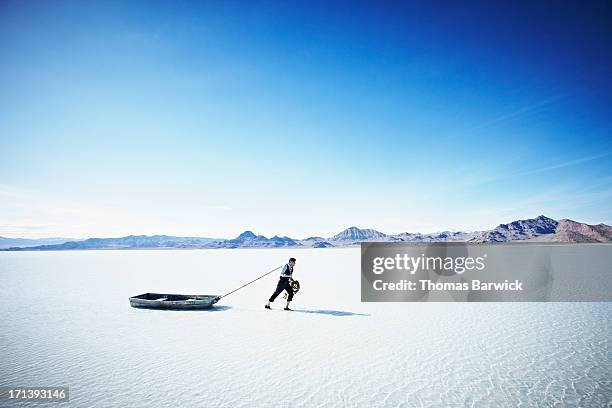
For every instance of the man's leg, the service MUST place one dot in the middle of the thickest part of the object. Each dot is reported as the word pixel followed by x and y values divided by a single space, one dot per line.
pixel 279 288
pixel 289 290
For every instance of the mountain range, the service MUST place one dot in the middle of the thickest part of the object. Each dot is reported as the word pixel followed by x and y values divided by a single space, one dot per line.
pixel 29 242
pixel 539 229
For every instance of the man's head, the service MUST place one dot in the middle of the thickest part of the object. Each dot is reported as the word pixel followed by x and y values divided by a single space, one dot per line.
pixel 291 262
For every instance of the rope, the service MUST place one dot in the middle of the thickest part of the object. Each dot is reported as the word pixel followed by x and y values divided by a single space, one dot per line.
pixel 248 283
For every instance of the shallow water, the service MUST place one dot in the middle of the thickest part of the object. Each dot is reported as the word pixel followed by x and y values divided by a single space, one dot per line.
pixel 67 321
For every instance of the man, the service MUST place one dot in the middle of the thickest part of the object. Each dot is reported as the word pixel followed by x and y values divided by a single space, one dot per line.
pixel 284 283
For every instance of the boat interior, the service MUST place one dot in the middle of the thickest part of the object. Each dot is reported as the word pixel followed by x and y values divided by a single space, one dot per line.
pixel 171 298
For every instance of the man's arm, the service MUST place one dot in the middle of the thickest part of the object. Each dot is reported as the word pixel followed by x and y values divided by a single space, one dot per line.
pixel 285 270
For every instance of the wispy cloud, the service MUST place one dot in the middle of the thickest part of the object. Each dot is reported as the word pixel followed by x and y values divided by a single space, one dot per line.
pixel 32 214
pixel 489 177
pixel 521 111
pixel 564 164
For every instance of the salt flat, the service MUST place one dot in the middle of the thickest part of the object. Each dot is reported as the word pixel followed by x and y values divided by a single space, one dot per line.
pixel 67 321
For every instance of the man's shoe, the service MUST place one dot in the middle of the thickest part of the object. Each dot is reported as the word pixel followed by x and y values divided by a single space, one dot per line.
pixel 268 307
pixel 288 308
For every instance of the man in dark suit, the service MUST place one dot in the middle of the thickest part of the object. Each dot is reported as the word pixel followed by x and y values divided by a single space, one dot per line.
pixel 284 283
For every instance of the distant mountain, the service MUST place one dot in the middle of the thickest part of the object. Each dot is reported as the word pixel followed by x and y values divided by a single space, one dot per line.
pixel 129 242
pixel 572 231
pixel 249 240
pixel 322 244
pixel 354 235
pixel 315 242
pixel 434 237
pixel 27 242
pixel 314 239
pixel 541 228
pixel 518 230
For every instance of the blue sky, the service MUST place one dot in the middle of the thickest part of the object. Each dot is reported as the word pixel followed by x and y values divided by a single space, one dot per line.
pixel 301 118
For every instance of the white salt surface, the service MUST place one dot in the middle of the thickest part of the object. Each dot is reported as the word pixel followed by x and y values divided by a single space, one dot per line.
pixel 66 320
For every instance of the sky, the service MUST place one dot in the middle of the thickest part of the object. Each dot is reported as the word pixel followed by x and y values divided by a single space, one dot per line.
pixel 301 118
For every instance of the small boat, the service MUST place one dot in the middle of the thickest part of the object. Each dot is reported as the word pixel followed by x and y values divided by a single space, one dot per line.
pixel 173 302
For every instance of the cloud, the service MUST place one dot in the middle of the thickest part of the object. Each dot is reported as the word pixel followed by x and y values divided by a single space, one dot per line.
pixel 520 112
pixel 567 163
pixel 31 213
pixel 489 177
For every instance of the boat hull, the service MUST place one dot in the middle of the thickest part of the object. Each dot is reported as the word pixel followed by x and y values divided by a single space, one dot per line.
pixel 167 301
